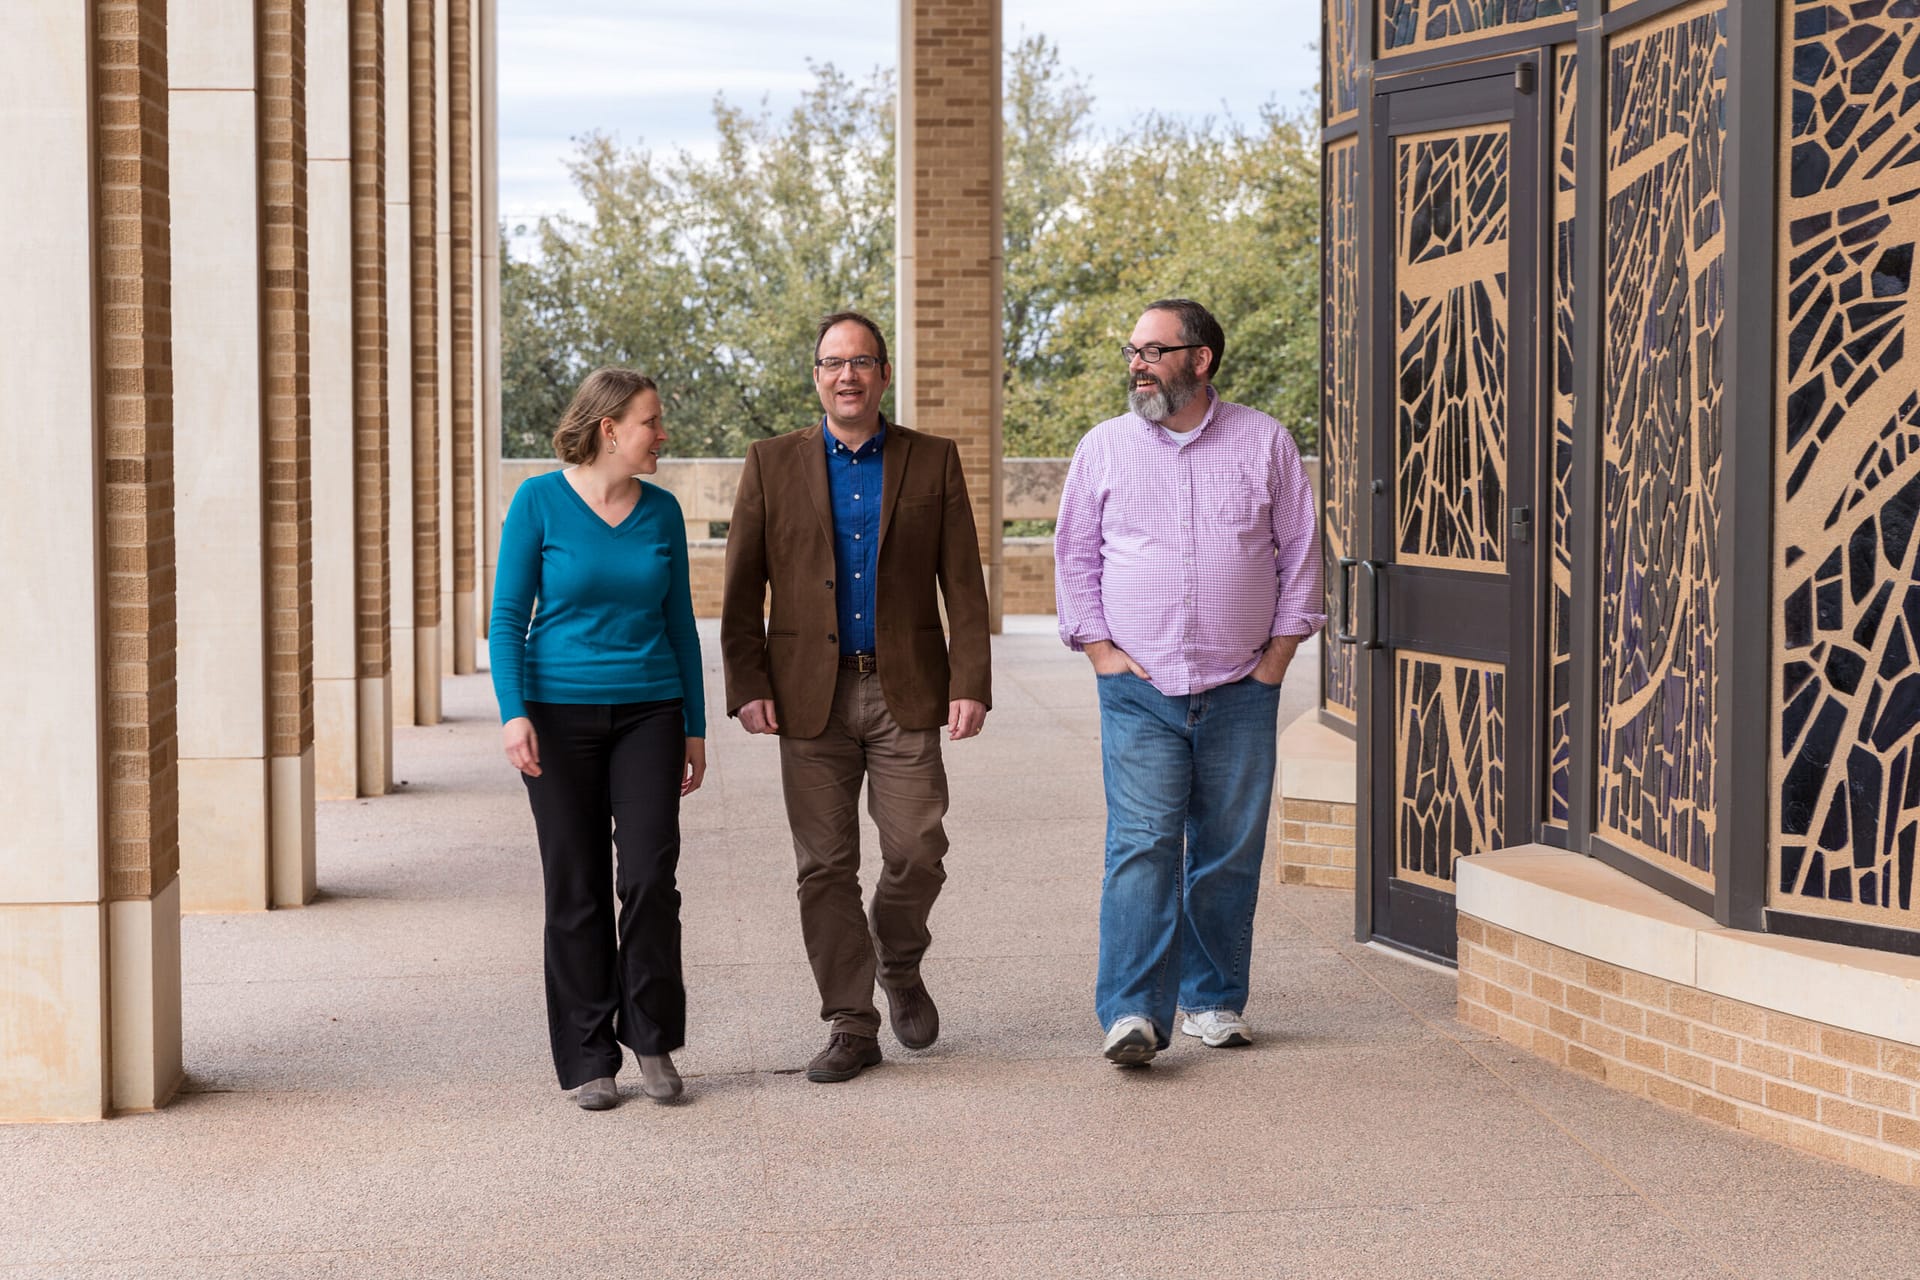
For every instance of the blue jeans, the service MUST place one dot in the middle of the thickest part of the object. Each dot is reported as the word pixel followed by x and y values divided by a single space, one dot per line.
pixel 1189 782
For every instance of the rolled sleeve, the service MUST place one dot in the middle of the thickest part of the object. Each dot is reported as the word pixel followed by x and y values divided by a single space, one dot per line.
pixel 1077 561
pixel 1299 609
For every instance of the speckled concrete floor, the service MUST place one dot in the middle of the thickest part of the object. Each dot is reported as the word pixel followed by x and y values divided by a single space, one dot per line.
pixel 370 1094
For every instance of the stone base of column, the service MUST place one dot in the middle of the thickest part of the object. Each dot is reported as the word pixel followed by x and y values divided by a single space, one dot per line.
pixel 336 738
pixel 375 736
pixel 466 618
pixel 53 990
pixel 446 634
pixel 224 838
pixel 1311 829
pixel 144 994
pixel 426 675
pixel 402 675
pixel 291 795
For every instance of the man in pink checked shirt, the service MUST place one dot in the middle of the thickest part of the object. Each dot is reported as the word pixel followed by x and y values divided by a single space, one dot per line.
pixel 1187 569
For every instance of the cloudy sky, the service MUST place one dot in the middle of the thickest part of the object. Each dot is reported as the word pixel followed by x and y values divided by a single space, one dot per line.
pixel 647 72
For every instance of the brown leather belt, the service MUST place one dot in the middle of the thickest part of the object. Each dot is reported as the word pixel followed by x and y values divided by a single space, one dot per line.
pixel 862 662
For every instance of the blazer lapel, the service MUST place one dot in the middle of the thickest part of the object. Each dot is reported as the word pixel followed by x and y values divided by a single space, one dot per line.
pixel 893 474
pixel 813 474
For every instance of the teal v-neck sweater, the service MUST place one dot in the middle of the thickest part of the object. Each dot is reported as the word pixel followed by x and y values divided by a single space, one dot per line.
pixel 614 615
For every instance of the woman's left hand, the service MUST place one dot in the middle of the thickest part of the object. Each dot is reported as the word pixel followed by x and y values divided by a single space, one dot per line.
pixel 694 770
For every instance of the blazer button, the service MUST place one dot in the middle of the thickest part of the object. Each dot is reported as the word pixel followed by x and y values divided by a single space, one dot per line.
pixel 829 584
pixel 832 639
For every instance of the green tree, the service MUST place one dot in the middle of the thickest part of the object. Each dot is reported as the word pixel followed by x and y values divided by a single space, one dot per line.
pixel 710 272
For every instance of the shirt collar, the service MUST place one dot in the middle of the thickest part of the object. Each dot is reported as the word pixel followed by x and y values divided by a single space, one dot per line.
pixel 1213 407
pixel 871 446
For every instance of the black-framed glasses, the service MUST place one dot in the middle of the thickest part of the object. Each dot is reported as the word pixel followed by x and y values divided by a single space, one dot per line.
pixel 859 364
pixel 1152 352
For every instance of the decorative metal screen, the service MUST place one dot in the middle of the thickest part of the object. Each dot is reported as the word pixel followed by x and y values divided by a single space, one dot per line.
pixel 1339 398
pixel 1407 24
pixel 1846 585
pixel 1450 343
pixel 1559 737
pixel 1660 447
pixel 1450 744
pixel 1341 40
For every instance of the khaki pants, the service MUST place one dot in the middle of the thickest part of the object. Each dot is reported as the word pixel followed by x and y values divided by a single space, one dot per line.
pixel 907 796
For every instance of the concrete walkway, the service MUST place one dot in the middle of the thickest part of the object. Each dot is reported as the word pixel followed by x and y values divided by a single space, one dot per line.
pixel 370 1093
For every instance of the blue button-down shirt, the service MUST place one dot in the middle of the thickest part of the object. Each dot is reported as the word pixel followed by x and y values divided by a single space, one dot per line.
pixel 853 478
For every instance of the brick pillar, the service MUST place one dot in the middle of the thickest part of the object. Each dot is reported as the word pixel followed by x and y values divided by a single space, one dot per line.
pixel 443 251
pixel 214 173
pixel 289 453
pixel 424 301
pixel 372 659
pixel 330 290
pixel 488 321
pixel 397 108
pixel 951 254
pixel 89 884
pixel 460 278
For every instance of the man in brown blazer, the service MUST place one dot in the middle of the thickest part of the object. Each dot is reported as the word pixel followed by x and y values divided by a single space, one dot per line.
pixel 853 522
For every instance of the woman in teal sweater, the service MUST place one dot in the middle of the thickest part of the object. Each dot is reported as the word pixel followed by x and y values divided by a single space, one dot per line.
pixel 596 666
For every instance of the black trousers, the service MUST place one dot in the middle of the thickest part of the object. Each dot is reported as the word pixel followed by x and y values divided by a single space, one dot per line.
pixel 610 777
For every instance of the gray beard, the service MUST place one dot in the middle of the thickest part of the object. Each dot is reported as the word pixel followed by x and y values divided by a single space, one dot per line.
pixel 1157 404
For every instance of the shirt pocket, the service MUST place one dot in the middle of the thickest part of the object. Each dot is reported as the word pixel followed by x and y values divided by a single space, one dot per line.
pixel 1237 497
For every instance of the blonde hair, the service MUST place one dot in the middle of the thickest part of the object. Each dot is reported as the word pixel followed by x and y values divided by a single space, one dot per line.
pixel 604 394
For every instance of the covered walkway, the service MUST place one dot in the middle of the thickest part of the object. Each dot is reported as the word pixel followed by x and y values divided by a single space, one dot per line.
pixel 369 1094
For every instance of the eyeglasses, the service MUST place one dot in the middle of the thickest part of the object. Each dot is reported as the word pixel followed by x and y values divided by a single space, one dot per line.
pixel 1152 352
pixel 834 364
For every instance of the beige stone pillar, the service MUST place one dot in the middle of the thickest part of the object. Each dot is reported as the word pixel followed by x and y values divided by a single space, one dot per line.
pixel 219 458
pixel 951 255
pixel 372 656
pixel 460 277
pixel 89 883
pixel 489 322
pixel 289 481
pixel 336 694
pixel 398 111
pixel 424 299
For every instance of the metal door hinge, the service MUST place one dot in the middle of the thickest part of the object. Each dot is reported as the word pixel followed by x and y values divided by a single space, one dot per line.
pixel 1522 525
pixel 1523 78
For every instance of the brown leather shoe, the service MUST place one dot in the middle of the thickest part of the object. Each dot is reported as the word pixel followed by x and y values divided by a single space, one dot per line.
pixel 845 1057
pixel 916 1023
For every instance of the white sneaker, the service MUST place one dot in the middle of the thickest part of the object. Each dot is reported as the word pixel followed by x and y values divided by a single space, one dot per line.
pixel 1130 1043
pixel 1218 1028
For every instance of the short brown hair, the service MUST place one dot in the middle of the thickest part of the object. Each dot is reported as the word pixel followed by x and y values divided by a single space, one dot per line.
pixel 604 394
pixel 841 317
pixel 1198 327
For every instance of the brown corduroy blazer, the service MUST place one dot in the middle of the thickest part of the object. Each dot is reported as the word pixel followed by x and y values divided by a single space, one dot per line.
pixel 782 534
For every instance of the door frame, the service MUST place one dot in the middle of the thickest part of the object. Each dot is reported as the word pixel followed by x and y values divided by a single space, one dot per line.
pixel 1397 913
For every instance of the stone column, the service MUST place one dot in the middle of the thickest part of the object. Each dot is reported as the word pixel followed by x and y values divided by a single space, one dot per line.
pixel 89 871
pixel 398 112
pixel 951 255
pixel 219 460
pixel 289 483
pixel 336 694
pixel 424 300
pixel 372 658
pixel 460 279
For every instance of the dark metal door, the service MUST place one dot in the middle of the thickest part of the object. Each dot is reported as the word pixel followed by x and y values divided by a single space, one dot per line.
pixel 1446 592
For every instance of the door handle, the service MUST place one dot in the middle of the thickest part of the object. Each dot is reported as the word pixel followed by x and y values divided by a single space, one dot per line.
pixel 1343 601
pixel 1372 638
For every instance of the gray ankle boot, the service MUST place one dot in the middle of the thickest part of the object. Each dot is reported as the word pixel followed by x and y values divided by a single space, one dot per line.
pixel 598 1095
pixel 658 1079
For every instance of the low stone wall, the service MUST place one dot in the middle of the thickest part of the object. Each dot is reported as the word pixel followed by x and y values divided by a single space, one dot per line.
pixel 1837 1093
pixel 1316 843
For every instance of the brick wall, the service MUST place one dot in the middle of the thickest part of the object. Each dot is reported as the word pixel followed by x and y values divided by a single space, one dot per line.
pixel 951 247
pixel 1313 842
pixel 1836 1093
pixel 426 320
pixel 136 405
pixel 1027 579
pixel 372 658
pixel 284 316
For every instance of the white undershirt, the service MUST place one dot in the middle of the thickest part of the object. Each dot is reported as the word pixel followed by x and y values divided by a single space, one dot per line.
pixel 1182 438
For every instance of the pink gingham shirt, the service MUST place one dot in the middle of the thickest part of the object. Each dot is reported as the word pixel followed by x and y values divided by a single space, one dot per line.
pixel 1189 558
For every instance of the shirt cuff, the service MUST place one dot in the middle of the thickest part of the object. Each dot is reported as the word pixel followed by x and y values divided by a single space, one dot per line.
pixel 1079 641
pixel 1298 626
